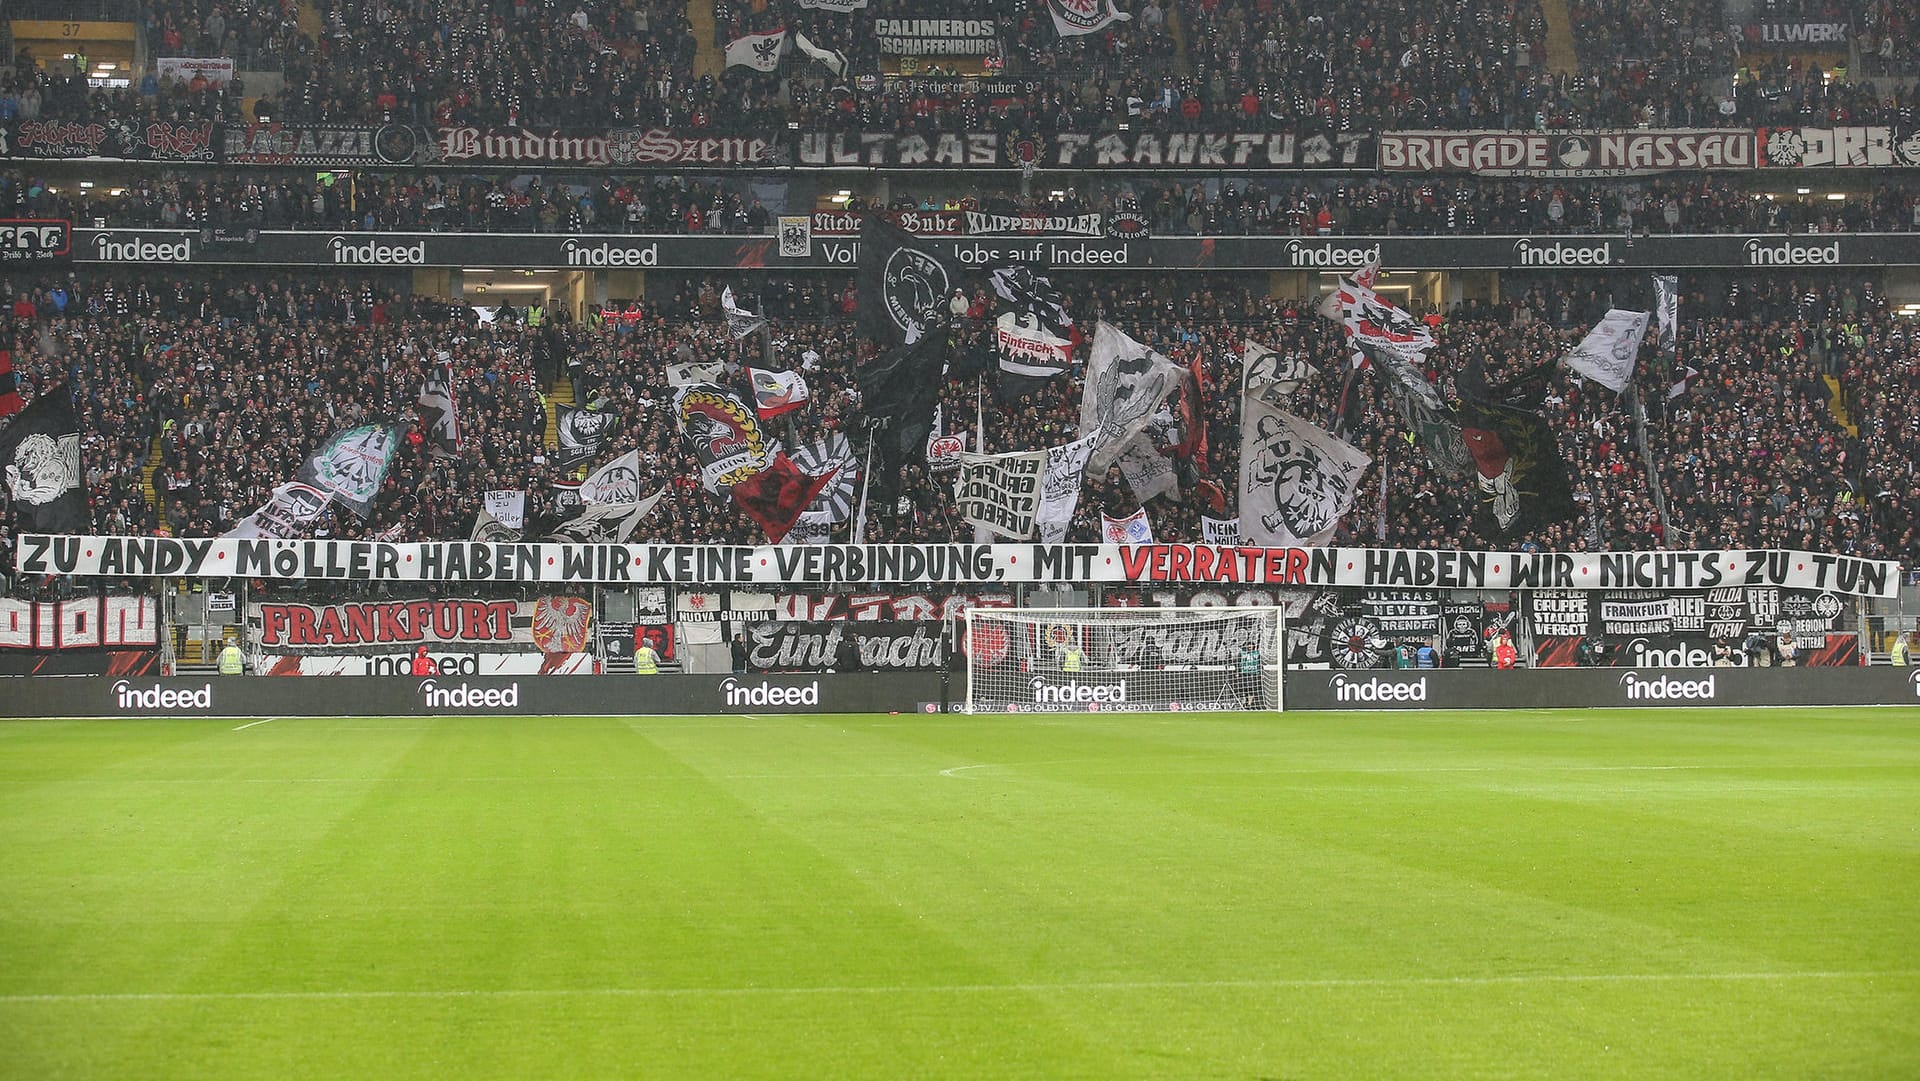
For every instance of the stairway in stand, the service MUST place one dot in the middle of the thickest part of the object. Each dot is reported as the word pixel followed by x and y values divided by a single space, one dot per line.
pixel 1561 58
pixel 1177 29
pixel 308 18
pixel 708 57
pixel 147 486
pixel 1837 405
pixel 561 394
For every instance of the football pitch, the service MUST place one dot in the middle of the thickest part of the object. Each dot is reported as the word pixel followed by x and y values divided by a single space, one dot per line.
pixel 1579 894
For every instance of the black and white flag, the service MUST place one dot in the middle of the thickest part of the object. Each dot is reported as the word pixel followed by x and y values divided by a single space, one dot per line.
pixel 1022 291
pixel 288 514
pixel 1060 483
pixel 616 482
pixel 687 373
pixel 352 465
pixel 490 530
pixel 603 523
pixel 761 52
pixel 1126 382
pixel 1027 348
pixel 1074 17
pixel 740 322
pixel 833 60
pixel 1666 293
pixel 1608 353
pixel 831 453
pixel 1271 376
pixel 438 416
pixel 582 433
pixel 904 285
pixel 1296 481
pixel 1001 492
pixel 1395 345
pixel 41 449
pixel 1148 472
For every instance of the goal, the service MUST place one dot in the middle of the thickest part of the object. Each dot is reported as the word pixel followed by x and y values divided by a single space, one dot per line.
pixel 1086 660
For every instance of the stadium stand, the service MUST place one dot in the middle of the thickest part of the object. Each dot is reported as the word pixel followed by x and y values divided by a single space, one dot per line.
pixel 1215 65
pixel 203 388
pixel 239 378
pixel 1197 206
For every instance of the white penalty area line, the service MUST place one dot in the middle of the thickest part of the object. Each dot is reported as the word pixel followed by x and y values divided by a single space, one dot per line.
pixel 1335 983
pixel 250 724
pixel 1518 768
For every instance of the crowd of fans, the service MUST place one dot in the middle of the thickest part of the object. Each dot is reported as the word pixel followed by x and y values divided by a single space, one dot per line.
pixel 240 379
pixel 673 204
pixel 1350 65
pixel 259 35
pixel 422 202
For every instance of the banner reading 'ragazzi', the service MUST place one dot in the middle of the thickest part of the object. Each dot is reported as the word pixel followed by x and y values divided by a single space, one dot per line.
pixel 833 564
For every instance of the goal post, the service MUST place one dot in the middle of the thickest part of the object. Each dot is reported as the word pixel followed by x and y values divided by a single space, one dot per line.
pixel 1089 660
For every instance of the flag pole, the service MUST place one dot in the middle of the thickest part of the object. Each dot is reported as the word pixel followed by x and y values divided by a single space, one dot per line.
pixel 979 414
pixel 859 530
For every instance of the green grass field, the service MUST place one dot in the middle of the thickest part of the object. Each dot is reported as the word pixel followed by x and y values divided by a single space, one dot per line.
pixel 1701 894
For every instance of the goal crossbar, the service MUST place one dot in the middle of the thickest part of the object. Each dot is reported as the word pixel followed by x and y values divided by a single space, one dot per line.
pixel 1084 659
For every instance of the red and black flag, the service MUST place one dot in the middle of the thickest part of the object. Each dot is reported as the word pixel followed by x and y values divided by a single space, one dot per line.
pixel 776 495
pixel 1522 479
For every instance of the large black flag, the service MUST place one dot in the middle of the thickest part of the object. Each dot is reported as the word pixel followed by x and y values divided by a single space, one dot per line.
pixel 902 385
pixel 438 415
pixel 904 286
pixel 900 389
pixel 582 434
pixel 41 454
pixel 1523 482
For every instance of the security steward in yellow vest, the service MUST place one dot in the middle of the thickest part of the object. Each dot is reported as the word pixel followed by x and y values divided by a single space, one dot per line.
pixel 645 661
pixel 1072 659
pixel 1901 653
pixel 231 659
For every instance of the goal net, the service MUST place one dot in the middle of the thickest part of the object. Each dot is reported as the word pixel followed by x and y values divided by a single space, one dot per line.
pixel 1075 660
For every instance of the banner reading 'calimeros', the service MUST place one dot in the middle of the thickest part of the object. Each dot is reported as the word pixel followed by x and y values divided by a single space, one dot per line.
pixel 832 564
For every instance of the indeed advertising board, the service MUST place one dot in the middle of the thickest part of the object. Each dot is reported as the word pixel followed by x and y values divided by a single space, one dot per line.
pixel 1485 688
pixel 457 695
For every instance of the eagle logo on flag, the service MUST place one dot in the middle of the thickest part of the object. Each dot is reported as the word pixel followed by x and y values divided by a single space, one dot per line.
pixel 914 282
pixel 44 468
pixel 560 624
